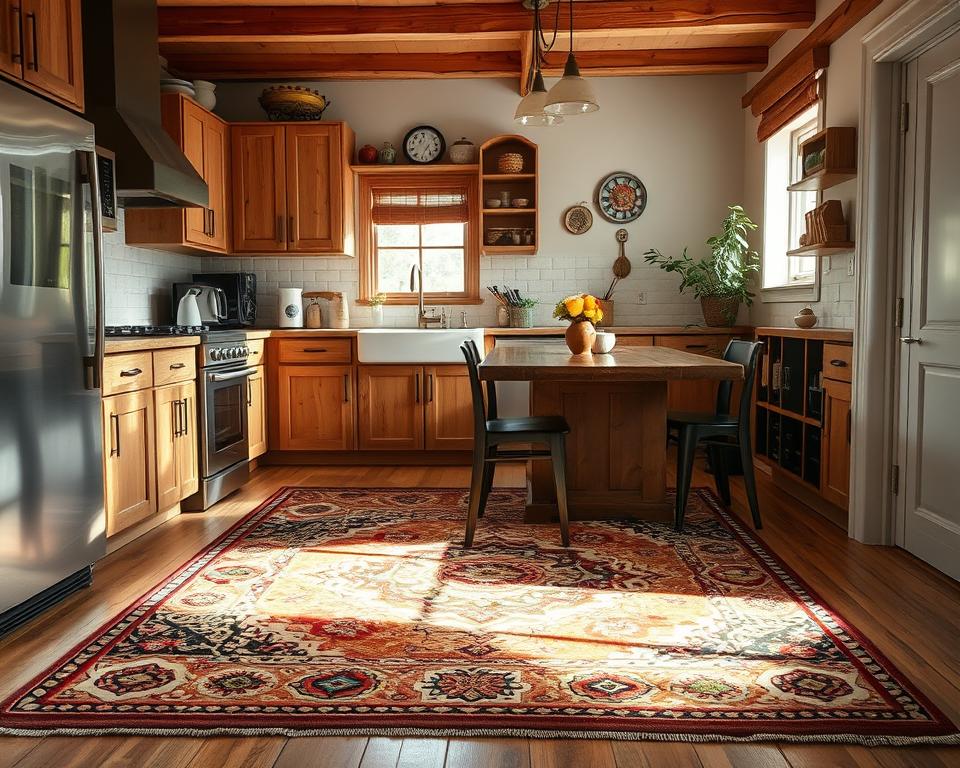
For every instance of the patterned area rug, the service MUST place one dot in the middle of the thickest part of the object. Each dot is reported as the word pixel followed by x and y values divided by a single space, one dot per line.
pixel 357 611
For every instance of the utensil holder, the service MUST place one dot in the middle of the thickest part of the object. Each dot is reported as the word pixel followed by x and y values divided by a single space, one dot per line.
pixel 606 306
pixel 521 317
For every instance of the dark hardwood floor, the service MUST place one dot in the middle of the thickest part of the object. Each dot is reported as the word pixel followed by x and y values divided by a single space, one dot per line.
pixel 910 611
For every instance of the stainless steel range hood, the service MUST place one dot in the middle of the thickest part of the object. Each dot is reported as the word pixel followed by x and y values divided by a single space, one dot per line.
pixel 121 75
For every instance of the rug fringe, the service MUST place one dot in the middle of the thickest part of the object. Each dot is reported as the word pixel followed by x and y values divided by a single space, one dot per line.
pixel 696 738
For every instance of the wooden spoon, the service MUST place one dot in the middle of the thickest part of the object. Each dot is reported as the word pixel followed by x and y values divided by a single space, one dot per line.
pixel 622 266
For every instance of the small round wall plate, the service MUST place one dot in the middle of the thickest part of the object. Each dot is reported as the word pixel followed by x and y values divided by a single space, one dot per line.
pixel 578 219
pixel 621 197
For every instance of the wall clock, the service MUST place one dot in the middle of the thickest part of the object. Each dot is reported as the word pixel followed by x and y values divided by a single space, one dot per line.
pixel 424 144
pixel 621 197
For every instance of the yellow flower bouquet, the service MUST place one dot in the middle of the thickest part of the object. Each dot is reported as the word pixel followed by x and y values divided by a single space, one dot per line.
pixel 578 308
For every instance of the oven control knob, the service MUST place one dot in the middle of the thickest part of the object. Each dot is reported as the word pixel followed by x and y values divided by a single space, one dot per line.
pixel 235 353
pixel 216 354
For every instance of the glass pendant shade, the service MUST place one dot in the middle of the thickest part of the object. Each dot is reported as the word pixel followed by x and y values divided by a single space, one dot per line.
pixel 530 109
pixel 571 94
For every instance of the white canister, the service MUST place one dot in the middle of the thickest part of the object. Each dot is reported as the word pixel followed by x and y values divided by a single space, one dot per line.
pixel 290 310
pixel 604 342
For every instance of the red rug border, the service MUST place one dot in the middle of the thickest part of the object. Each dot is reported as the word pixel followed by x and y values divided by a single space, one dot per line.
pixel 940 730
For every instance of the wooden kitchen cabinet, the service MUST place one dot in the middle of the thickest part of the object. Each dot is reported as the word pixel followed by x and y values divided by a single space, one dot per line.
pixel 257 413
pixel 204 139
pixel 129 459
pixel 835 449
pixel 41 46
pixel 315 408
pixel 177 457
pixel 390 407
pixel 449 408
pixel 293 188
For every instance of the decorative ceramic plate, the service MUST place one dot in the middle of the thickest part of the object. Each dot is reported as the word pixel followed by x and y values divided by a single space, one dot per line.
pixel 621 197
pixel 578 219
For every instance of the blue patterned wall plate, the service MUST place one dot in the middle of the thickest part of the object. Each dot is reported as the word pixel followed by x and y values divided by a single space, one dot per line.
pixel 621 197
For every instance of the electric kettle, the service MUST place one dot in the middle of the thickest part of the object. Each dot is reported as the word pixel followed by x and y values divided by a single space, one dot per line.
pixel 210 303
pixel 188 310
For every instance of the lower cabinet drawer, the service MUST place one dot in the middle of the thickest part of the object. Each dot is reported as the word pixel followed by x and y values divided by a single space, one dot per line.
pixel 838 362
pixel 314 351
pixel 700 344
pixel 171 366
pixel 127 372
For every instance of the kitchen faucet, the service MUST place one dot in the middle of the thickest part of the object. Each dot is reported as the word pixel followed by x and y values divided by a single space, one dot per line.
pixel 416 284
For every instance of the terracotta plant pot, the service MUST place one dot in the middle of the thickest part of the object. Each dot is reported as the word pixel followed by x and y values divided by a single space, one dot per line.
pixel 579 337
pixel 719 312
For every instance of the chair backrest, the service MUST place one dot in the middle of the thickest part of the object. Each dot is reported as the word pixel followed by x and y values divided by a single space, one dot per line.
pixel 472 356
pixel 746 353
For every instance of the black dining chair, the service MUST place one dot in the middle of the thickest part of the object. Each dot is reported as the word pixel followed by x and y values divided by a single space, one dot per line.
pixel 721 431
pixel 491 432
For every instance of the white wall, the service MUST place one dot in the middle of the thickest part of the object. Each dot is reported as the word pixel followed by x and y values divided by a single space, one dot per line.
pixel 836 307
pixel 137 281
pixel 681 135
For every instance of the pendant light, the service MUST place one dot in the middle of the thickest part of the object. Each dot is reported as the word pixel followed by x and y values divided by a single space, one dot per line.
pixel 530 110
pixel 571 94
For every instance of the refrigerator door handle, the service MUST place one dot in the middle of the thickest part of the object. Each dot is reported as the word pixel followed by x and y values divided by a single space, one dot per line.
pixel 95 376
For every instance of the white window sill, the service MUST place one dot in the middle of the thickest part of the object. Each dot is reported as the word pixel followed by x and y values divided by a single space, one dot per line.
pixel 805 292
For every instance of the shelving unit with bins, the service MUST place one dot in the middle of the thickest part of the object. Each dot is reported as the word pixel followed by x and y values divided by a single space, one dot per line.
pixel 837 148
pixel 793 433
pixel 522 184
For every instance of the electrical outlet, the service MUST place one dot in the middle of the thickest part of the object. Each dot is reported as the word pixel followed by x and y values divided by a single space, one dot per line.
pixel 642 297
pixel 850 267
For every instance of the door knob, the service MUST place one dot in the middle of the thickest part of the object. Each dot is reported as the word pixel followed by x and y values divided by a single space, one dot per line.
pixel 911 340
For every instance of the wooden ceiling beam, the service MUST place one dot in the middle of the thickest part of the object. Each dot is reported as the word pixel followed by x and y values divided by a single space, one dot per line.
pixel 223 23
pixel 268 66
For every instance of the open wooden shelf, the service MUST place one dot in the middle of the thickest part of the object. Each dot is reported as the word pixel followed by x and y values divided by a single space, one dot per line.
pixel 791 414
pixel 507 211
pixel 822 249
pixel 386 169
pixel 509 250
pixel 516 185
pixel 823 179
pixel 509 176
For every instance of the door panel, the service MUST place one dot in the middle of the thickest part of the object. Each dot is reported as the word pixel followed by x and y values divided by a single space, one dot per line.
pixel 257 418
pixel 835 446
pixel 168 418
pixel 316 408
pixel 314 188
pixel 11 43
pixel 194 148
pixel 449 408
pixel 390 407
pixel 53 58
pixel 699 396
pixel 215 174
pixel 188 448
pixel 128 433
pixel 259 193
pixel 930 353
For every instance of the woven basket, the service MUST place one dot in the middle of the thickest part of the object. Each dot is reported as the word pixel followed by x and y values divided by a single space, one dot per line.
pixel 510 162
pixel 521 317
pixel 719 312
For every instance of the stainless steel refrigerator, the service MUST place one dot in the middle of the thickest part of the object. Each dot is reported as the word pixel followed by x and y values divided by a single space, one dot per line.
pixel 52 526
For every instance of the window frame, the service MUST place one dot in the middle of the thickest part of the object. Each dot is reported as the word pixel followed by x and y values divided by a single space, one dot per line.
pixel 793 290
pixel 372 183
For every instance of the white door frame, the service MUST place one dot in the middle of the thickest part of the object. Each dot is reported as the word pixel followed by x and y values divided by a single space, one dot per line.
pixel 901 36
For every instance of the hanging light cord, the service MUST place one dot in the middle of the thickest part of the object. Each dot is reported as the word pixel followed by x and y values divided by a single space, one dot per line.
pixel 571 23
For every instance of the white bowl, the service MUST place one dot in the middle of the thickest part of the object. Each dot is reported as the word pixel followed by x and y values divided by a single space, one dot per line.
pixel 604 342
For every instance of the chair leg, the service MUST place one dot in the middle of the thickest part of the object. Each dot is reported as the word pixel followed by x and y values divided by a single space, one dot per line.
pixel 558 457
pixel 718 460
pixel 685 454
pixel 488 469
pixel 749 481
pixel 476 491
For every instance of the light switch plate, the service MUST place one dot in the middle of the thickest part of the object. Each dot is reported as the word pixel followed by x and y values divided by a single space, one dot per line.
pixel 850 266
pixel 642 297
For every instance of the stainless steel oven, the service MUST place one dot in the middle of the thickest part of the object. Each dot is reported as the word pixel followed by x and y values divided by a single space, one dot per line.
pixel 224 438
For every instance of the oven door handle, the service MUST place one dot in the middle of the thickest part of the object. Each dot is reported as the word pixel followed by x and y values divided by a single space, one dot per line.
pixel 243 373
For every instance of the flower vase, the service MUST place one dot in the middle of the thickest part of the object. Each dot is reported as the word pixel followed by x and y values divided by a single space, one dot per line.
pixel 579 337
pixel 376 312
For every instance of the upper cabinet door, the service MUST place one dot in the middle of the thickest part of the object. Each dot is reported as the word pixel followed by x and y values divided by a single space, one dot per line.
pixel 216 175
pixel 259 189
pixel 314 189
pixel 53 53
pixel 193 144
pixel 11 41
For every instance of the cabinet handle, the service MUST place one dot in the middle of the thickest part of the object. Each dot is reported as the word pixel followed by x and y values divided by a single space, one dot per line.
pixel 346 387
pixel 213 223
pixel 291 231
pixel 177 366
pixel 838 363
pixel 281 232
pixel 35 66
pixel 178 418
pixel 316 350
pixel 696 346
pixel 849 425
pixel 17 53
pixel 114 434
pixel 429 387
pixel 186 417
pixel 249 393
pixel 416 387
pixel 128 372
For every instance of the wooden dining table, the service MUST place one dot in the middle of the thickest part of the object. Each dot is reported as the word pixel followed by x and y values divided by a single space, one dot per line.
pixel 616 406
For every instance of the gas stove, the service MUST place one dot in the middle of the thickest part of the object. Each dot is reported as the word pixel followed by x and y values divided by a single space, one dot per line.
pixel 155 330
pixel 221 348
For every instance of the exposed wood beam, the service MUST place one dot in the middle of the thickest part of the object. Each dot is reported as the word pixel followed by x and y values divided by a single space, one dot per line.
pixel 304 22
pixel 269 66
pixel 832 28
pixel 526 62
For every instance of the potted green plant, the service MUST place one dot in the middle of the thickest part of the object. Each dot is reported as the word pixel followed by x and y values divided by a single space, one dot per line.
pixel 722 280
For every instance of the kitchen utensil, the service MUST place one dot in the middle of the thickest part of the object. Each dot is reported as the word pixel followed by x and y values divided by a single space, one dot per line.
pixel 188 311
pixel 621 266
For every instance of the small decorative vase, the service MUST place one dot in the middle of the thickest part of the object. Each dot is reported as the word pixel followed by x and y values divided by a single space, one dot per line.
pixel 805 318
pixel 376 314
pixel 579 337
pixel 367 154
pixel 206 97
pixel 387 154
pixel 462 152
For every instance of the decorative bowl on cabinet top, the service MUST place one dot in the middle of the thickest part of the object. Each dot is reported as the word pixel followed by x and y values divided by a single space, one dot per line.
pixel 293 102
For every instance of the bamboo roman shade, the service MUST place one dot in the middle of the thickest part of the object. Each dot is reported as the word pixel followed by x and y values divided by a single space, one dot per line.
pixel 782 96
pixel 421 206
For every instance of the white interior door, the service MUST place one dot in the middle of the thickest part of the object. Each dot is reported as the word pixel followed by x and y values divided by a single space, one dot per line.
pixel 930 343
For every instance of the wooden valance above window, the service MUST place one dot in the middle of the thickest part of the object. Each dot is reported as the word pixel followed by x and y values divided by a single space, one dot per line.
pixel 789 108
pixel 421 206
pixel 784 95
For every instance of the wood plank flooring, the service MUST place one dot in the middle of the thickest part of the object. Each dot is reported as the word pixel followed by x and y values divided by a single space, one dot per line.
pixel 910 611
